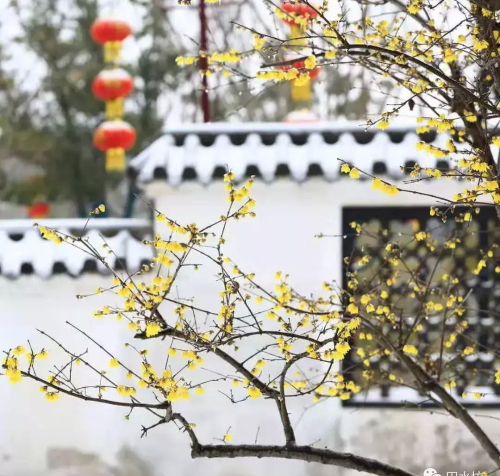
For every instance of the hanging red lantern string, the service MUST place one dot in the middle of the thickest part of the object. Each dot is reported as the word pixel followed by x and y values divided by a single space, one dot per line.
pixel 298 16
pixel 114 138
pixel 110 33
pixel 112 85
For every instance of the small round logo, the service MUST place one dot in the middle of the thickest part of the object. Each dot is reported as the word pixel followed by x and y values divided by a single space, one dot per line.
pixel 431 472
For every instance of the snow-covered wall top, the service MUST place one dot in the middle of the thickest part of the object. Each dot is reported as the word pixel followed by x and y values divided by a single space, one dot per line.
pixel 24 251
pixel 203 152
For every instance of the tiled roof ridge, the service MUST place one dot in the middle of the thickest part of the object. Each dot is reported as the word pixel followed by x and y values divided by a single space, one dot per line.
pixel 23 248
pixel 203 153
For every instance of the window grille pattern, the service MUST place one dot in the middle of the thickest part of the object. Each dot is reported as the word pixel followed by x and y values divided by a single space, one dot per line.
pixel 454 249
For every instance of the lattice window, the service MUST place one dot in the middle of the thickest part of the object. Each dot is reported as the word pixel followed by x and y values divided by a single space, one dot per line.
pixel 481 293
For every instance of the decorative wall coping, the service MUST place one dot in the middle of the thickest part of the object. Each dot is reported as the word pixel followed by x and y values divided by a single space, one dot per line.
pixel 24 251
pixel 203 152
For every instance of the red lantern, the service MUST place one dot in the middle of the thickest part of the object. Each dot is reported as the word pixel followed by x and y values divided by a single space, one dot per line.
pixel 112 84
pixel 114 135
pixel 114 138
pixel 39 210
pixel 104 31
pixel 110 33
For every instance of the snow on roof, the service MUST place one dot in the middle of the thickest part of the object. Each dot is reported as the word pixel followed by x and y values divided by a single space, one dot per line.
pixel 24 251
pixel 203 152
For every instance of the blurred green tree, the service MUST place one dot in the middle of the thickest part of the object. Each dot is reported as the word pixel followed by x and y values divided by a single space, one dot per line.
pixel 54 127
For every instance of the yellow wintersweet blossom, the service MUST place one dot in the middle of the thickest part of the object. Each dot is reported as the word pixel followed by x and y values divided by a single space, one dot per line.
pixel 226 57
pixel 189 354
pixel 164 260
pixel 114 363
pixel 451 384
pixel 480 266
pixel 470 116
pixel 126 391
pixel 341 350
pixel 14 375
pixel 52 396
pixel 186 60
pixel 377 184
pixel 354 173
pixel 254 392
pixel 468 350
pixel 383 124
pixel 352 308
pixel 390 189
pixel 480 45
pixel 18 350
pixel 310 62
pixel 258 42
pixel 410 349
pixel 152 329
pixel 414 7
pixel 183 393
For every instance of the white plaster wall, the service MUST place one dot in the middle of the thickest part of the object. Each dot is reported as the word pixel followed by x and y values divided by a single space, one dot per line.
pixel 280 238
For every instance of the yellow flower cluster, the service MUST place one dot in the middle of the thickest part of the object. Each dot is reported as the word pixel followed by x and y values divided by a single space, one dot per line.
pixel 152 329
pixel 259 42
pixel 387 188
pixel 50 234
pixel 341 350
pixel 52 396
pixel 100 209
pixel 164 260
pixel 173 246
pixel 352 171
pixel 228 57
pixel 178 393
pixel 283 345
pixel 10 364
pixel 186 60
pixel 236 195
pixel 293 74
pixel 441 124
pixel 254 392
pixel 126 391
pixel 410 349
pixel 432 149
